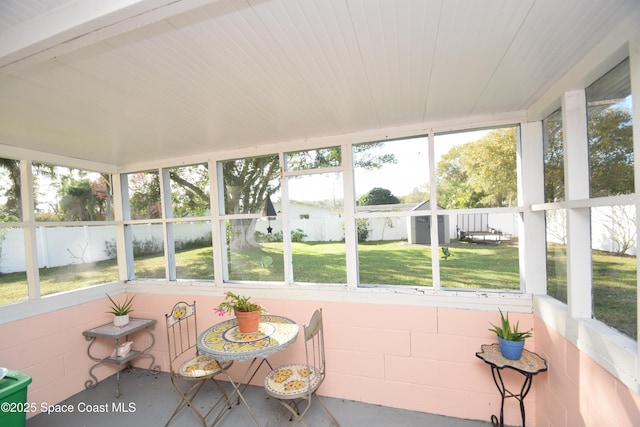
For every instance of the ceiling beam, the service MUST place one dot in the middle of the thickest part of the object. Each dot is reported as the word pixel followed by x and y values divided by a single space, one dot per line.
pixel 81 23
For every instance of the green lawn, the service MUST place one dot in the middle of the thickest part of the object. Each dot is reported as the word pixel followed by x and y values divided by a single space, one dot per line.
pixel 473 266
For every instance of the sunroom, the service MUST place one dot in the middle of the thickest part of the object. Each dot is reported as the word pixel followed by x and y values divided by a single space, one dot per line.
pixel 177 150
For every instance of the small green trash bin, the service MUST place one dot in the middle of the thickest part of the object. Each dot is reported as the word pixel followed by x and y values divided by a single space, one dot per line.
pixel 13 399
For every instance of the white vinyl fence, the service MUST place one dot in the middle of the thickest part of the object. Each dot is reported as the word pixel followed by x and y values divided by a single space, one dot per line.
pixel 58 246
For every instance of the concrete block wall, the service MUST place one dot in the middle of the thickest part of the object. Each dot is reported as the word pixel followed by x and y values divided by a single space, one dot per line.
pixel 416 358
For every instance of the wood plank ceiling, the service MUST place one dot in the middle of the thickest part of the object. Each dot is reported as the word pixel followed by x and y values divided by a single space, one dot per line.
pixel 157 79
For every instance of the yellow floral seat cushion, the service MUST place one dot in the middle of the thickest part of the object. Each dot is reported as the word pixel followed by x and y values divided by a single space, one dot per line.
pixel 201 366
pixel 292 381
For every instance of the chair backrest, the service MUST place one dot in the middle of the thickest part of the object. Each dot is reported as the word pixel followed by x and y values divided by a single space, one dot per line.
pixel 314 343
pixel 182 331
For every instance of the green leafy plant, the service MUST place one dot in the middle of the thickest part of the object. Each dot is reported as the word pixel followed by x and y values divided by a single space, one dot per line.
pixel 233 302
pixel 507 332
pixel 121 309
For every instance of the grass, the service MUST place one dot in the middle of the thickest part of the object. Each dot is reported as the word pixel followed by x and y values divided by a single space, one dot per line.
pixel 380 263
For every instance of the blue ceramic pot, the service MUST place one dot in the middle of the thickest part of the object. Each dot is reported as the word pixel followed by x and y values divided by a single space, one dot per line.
pixel 511 349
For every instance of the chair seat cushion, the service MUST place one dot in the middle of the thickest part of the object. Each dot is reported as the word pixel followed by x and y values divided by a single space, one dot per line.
pixel 201 366
pixel 292 381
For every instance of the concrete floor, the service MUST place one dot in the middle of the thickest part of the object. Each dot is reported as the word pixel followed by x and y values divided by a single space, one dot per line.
pixel 149 399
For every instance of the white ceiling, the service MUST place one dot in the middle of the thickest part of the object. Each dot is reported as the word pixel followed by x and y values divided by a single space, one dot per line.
pixel 129 80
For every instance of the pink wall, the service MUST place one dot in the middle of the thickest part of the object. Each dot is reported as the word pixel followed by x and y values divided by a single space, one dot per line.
pixel 417 358
pixel 577 391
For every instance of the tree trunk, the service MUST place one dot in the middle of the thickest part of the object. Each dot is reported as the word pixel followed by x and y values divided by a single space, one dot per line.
pixel 242 234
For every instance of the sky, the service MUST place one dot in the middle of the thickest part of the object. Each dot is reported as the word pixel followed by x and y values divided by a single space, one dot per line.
pixel 410 171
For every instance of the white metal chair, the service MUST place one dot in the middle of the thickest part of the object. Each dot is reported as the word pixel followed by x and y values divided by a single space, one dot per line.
pixel 189 371
pixel 297 383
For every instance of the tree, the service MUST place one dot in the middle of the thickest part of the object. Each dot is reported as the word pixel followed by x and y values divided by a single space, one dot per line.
pixel 480 173
pixel 611 157
pixel 249 181
pixel 247 184
pixel 77 202
pixel 554 162
pixel 417 195
pixel 378 196
pixel 620 223
pixel 13 206
pixel 84 200
pixel 452 180
pixel 144 195
pixel 189 195
pixel 611 153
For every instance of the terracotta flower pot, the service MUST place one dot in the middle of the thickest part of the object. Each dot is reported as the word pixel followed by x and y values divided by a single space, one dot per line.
pixel 248 321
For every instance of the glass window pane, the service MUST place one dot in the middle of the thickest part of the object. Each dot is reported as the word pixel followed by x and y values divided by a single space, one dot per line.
pixel 313 159
pixel 316 209
pixel 613 245
pixel 392 176
pixel 393 263
pixel 485 255
pixel 556 234
pixel 391 172
pixel 189 191
pixel 64 194
pixel 248 182
pixel 76 257
pixel 194 250
pixel 476 169
pixel 611 159
pixel 254 261
pixel 144 195
pixel 13 276
pixel 553 158
pixel 10 197
pixel 148 251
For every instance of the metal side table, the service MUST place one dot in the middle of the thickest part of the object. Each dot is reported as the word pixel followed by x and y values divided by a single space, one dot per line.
pixel 115 333
pixel 528 365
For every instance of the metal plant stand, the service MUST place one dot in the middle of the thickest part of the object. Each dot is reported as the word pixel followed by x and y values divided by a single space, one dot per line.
pixel 528 365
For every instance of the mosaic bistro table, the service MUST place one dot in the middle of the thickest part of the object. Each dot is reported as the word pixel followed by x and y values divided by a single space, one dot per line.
pixel 528 365
pixel 224 342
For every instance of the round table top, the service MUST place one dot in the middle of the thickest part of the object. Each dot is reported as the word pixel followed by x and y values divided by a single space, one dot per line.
pixel 224 341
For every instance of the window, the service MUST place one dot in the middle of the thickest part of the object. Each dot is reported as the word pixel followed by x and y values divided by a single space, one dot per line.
pixel 191 241
pixel 317 244
pixel 142 201
pixel 144 195
pixel 613 241
pixel 555 219
pixel 316 190
pixel 391 182
pixel 73 256
pixel 553 157
pixel 11 197
pixel 556 237
pixel 13 277
pixel 609 112
pixel 477 169
pixel 253 241
pixel 74 240
pixel 613 225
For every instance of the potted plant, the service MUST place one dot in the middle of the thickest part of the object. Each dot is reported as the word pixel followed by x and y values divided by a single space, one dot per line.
pixel 121 311
pixel 510 338
pixel 247 313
